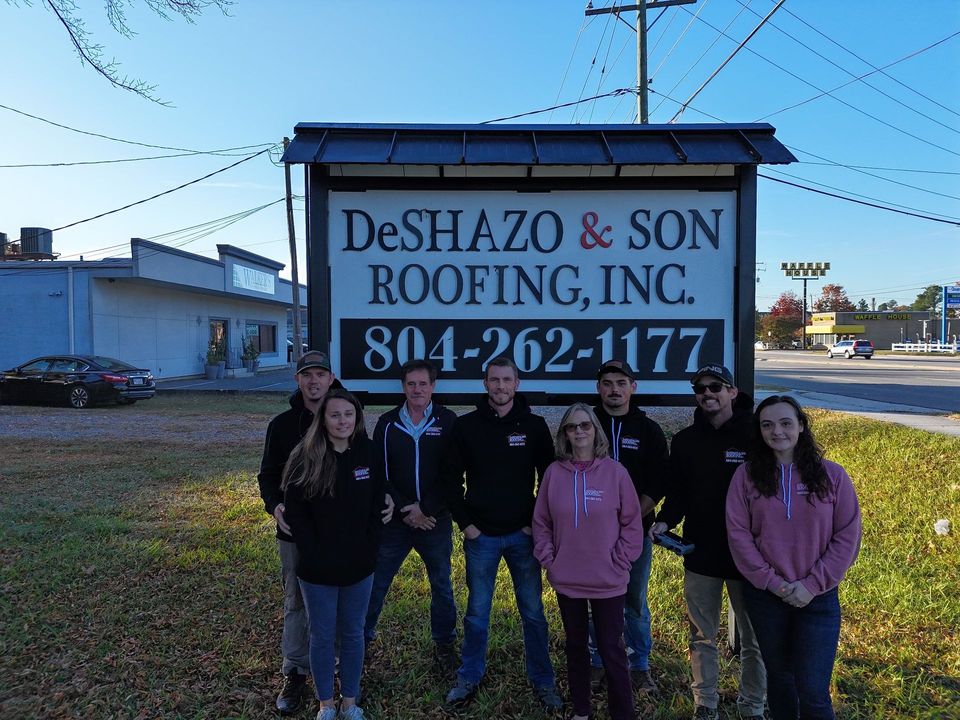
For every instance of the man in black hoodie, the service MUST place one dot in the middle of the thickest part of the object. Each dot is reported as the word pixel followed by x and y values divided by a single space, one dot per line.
pixel 314 378
pixel 703 458
pixel 503 449
pixel 410 442
pixel 637 443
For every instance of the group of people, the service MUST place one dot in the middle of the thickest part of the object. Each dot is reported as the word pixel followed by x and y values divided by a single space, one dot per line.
pixel 767 517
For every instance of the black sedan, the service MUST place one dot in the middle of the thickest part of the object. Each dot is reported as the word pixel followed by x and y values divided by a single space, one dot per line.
pixel 79 380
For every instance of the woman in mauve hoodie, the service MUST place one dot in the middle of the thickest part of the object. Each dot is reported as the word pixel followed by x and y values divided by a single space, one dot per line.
pixel 587 531
pixel 793 523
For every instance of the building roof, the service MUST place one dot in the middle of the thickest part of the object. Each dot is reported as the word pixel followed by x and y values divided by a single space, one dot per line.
pixel 403 144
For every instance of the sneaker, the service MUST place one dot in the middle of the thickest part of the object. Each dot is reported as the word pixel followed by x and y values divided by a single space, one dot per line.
pixel 327 713
pixel 548 698
pixel 597 676
pixel 642 682
pixel 290 699
pixel 704 713
pixel 446 657
pixel 351 713
pixel 461 693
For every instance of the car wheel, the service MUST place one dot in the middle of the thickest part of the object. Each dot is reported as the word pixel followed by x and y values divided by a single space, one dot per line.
pixel 126 401
pixel 867 357
pixel 78 396
pixel 829 354
pixel 847 355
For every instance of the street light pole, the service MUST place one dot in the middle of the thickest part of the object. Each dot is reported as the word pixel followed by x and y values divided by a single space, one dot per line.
pixel 804 271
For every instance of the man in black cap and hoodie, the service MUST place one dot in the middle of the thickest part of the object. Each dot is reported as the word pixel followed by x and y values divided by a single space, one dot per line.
pixel 637 443
pixel 314 378
pixel 503 449
pixel 703 458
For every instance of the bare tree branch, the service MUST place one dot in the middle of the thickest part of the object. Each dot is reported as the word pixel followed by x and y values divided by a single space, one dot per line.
pixel 91 53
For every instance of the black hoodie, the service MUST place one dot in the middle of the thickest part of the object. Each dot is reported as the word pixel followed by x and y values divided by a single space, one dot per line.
pixel 503 457
pixel 283 434
pixel 702 462
pixel 639 444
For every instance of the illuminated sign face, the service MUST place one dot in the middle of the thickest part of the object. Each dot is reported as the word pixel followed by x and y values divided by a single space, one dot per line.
pixel 558 281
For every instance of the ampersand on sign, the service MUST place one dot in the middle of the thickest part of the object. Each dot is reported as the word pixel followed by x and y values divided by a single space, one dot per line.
pixel 590 220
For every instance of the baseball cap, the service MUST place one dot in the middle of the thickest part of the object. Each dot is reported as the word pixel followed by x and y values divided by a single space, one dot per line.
pixel 313 359
pixel 615 366
pixel 716 370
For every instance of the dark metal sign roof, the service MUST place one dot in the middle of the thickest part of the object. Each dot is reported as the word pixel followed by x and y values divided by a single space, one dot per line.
pixel 385 144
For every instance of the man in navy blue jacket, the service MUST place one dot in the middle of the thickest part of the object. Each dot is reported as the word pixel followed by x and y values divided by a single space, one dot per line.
pixel 410 442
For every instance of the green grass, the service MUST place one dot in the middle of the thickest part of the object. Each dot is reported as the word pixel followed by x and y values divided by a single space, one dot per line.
pixel 141 580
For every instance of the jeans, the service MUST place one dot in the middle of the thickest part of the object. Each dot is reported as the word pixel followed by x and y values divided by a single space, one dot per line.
pixel 636 615
pixel 607 614
pixel 434 548
pixel 799 646
pixel 334 611
pixel 294 642
pixel 483 558
pixel 704 598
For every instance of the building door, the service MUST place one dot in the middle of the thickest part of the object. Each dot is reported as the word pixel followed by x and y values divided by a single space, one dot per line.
pixel 218 336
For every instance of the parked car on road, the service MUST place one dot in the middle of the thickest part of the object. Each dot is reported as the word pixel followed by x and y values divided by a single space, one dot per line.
pixel 851 348
pixel 78 380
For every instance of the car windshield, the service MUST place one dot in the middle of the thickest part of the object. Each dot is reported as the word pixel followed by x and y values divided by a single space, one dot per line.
pixel 112 363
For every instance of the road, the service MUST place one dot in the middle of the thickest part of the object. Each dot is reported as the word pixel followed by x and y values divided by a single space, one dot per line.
pixel 929 382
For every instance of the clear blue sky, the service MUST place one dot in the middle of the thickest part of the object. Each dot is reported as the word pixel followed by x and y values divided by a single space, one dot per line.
pixel 250 77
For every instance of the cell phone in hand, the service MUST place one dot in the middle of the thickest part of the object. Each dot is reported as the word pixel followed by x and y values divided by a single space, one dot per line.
pixel 674 543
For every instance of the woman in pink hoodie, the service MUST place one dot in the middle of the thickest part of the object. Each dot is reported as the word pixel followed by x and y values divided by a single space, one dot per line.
pixel 793 523
pixel 587 531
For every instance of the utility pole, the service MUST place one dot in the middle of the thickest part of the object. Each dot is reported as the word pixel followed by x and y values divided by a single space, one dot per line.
pixel 641 8
pixel 294 275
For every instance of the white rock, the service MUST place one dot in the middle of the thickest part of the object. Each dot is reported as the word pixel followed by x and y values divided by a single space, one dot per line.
pixel 942 527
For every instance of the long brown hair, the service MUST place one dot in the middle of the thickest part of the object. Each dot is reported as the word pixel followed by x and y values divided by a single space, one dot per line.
pixel 807 455
pixel 313 463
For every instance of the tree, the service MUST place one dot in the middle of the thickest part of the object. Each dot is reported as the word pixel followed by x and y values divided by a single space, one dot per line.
pixel 785 320
pixel 788 305
pixel 91 53
pixel 862 305
pixel 833 298
pixel 930 297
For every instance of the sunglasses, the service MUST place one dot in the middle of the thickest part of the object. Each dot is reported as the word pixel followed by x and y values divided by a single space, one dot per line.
pixel 714 387
pixel 585 426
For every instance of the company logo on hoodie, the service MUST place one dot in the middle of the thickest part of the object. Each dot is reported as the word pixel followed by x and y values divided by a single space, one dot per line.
pixel 629 443
pixel 361 473
pixel 433 431
pixel 735 456
pixel 517 439
pixel 593 495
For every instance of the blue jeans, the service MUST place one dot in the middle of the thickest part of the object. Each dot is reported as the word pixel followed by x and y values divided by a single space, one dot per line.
pixel 434 548
pixel 799 646
pixel 483 558
pixel 334 611
pixel 636 614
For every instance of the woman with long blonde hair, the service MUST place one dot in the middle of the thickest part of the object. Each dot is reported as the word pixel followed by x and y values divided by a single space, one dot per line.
pixel 335 507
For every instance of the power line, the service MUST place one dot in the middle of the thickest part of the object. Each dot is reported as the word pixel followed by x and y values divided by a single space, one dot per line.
pixel 121 140
pixel 681 36
pixel 730 57
pixel 873 167
pixel 592 64
pixel 842 102
pixel 576 44
pixel 869 64
pixel 161 194
pixel 225 152
pixel 612 93
pixel 859 202
pixel 860 78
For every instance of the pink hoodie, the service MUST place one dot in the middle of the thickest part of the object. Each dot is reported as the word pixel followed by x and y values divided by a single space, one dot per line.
pixel 587 528
pixel 784 538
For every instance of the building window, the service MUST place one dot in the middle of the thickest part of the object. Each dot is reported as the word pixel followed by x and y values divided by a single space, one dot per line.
pixel 263 336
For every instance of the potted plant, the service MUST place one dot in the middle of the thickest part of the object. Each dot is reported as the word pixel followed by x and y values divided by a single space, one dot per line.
pixel 250 355
pixel 216 359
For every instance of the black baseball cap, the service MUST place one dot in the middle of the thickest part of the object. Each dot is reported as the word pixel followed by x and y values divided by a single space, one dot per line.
pixel 716 370
pixel 615 366
pixel 313 359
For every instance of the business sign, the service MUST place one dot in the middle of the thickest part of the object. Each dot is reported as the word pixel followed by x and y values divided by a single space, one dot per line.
pixel 951 296
pixel 559 281
pixel 249 278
